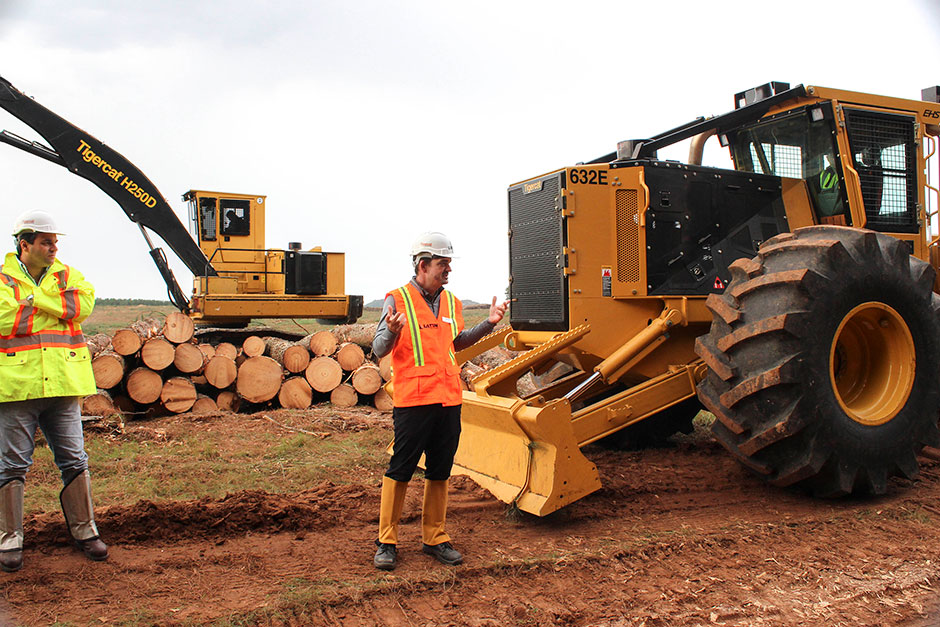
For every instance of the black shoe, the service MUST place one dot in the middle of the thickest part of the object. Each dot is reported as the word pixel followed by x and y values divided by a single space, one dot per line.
pixel 444 553
pixel 11 561
pixel 386 557
pixel 94 549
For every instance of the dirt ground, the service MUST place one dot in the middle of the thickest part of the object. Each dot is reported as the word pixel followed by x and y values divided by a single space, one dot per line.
pixel 678 536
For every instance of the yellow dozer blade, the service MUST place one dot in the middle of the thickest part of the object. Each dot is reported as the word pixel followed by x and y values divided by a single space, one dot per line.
pixel 523 451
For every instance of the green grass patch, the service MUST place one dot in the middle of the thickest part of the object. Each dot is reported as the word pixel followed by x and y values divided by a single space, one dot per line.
pixel 108 317
pixel 211 463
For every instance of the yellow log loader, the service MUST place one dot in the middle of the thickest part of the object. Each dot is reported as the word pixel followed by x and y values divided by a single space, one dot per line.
pixel 236 277
pixel 792 296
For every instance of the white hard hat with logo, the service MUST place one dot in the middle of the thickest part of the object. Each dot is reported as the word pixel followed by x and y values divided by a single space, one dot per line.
pixel 35 221
pixel 431 244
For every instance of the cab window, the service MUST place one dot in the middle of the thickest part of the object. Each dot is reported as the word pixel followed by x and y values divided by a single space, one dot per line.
pixel 235 216
pixel 884 155
pixel 207 219
pixel 798 144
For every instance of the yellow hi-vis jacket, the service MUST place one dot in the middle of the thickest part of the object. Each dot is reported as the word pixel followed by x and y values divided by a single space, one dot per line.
pixel 42 348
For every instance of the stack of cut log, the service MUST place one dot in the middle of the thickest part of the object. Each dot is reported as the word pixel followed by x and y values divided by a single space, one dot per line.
pixel 157 366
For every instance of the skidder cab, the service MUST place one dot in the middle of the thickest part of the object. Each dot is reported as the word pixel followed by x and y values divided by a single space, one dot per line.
pixel 791 296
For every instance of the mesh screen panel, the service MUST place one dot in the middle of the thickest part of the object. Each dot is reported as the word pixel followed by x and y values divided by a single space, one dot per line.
pixel 884 156
pixel 784 160
pixel 535 257
pixel 628 230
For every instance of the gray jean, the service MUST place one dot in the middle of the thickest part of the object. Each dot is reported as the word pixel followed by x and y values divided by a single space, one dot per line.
pixel 59 418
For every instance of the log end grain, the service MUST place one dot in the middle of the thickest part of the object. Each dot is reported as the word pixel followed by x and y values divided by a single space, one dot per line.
pixel 227 349
pixel 295 393
pixel 220 372
pixel 108 368
pixel 259 379
pixel 253 346
pixel 323 344
pixel 157 353
pixel 204 405
pixel 144 385
pixel 178 394
pixel 324 374
pixel 227 400
pixel 126 342
pixel 178 327
pixel 344 395
pixel 188 359
pixel 383 401
pixel 350 356
pixel 366 379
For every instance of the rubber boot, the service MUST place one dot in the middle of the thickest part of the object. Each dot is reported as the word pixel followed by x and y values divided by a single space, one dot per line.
pixel 434 512
pixel 80 516
pixel 433 515
pixel 11 525
pixel 393 500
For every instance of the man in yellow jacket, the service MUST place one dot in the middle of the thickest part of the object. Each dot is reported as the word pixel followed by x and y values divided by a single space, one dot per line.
pixel 45 368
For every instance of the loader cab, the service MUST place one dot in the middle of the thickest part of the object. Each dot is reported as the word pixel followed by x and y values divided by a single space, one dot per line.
pixel 224 221
pixel 230 231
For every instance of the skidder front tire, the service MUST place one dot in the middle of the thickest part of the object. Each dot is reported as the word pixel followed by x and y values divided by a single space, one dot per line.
pixel 824 361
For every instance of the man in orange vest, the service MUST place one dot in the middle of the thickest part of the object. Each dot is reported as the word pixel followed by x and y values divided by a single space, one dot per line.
pixel 422 327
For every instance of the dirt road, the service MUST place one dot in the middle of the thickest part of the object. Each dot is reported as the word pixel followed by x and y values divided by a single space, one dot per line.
pixel 677 537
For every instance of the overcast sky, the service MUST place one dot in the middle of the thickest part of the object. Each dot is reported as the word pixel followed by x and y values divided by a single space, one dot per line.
pixel 366 123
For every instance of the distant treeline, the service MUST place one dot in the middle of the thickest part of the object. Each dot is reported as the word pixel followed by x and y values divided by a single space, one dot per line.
pixel 130 301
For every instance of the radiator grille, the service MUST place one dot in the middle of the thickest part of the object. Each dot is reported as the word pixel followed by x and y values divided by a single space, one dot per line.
pixel 628 231
pixel 535 257
pixel 884 154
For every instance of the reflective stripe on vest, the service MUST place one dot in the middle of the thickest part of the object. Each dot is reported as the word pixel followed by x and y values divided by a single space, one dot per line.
pixel 11 283
pixel 452 316
pixel 47 339
pixel 23 323
pixel 413 326
pixel 70 304
pixel 412 315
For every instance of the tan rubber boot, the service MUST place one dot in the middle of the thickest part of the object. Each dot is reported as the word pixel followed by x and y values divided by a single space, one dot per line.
pixel 11 525
pixel 393 500
pixel 80 517
pixel 433 515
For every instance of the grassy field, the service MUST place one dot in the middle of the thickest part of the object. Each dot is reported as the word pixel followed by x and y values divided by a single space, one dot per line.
pixel 107 318
pixel 157 460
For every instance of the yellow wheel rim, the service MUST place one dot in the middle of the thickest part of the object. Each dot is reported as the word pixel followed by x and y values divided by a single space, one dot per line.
pixel 872 363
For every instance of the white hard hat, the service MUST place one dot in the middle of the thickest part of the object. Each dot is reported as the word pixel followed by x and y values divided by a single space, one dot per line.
pixel 35 221
pixel 431 244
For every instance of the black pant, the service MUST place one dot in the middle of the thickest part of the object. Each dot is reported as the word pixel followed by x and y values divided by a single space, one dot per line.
pixel 430 429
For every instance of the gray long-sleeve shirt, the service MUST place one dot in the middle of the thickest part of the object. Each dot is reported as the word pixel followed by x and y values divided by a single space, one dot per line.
pixel 385 340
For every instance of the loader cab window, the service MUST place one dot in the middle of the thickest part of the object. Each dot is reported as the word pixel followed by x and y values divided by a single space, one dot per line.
pixel 207 219
pixel 235 216
pixel 798 144
pixel 884 154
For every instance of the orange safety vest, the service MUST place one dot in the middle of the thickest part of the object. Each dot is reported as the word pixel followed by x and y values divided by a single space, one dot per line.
pixel 424 368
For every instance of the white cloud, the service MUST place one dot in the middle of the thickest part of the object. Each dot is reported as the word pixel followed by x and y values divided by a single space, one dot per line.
pixel 366 123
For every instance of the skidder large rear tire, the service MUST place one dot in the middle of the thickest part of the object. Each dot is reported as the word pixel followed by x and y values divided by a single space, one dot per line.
pixel 824 361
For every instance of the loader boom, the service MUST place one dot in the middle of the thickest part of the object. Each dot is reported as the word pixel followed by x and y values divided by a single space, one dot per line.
pixel 86 156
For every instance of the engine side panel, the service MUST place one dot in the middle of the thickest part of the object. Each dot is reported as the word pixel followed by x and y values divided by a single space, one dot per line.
pixel 700 220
